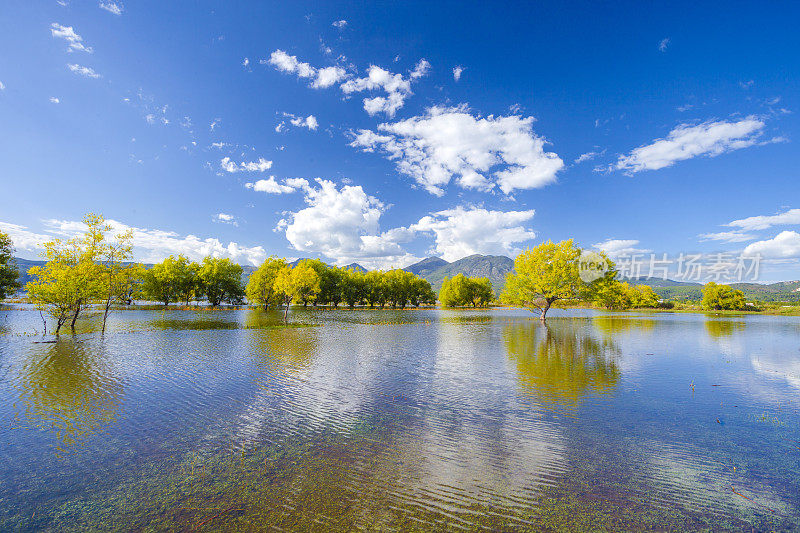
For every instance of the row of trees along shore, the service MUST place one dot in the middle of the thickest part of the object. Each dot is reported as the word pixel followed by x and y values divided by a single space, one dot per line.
pixel 96 268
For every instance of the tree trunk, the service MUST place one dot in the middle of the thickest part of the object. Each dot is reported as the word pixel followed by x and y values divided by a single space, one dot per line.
pixel 75 316
pixel 286 313
pixel 105 314
pixel 546 308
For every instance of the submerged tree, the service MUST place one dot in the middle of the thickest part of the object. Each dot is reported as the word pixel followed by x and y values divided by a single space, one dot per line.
pixel 261 285
pixel 76 273
pixel 543 275
pixel 9 275
pixel 160 283
pixel 722 297
pixel 461 290
pixel 221 281
pixel 300 283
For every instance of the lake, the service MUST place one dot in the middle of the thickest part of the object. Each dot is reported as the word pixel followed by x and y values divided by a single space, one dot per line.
pixel 401 420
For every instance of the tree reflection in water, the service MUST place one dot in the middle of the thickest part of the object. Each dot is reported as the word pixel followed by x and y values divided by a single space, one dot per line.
pixel 68 388
pixel 274 343
pixel 561 362
pixel 722 328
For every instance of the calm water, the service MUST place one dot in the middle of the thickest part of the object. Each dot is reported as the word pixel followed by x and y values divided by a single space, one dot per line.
pixel 407 420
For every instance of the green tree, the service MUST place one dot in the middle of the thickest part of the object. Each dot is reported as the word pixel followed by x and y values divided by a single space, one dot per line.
pixel 221 280
pixel 375 289
pixel 461 290
pixel 261 285
pixel 9 275
pixel 188 285
pixel 722 297
pixel 421 292
pixel 643 296
pixel 545 274
pixel 612 294
pixel 160 283
pixel 353 287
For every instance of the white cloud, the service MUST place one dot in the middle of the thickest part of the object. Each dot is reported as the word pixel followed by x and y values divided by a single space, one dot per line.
pixel 24 239
pixel 246 62
pixel 686 141
pixel 451 143
pixel 463 231
pixel 343 224
pixel 397 88
pixel 271 186
pixel 112 7
pixel 784 245
pixel 68 34
pixel 320 78
pixel 214 124
pixel 588 156
pixel 341 24
pixel 150 245
pixel 54 100
pixel 457 70
pixel 421 69
pixel 792 216
pixel 83 71
pixel 328 76
pixel 2 86
pixel 727 236
pixel 663 44
pixel 262 165
pixel 226 219
pixel 309 122
pixel 617 247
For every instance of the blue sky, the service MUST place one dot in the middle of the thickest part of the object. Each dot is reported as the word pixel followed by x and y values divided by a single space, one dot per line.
pixel 383 133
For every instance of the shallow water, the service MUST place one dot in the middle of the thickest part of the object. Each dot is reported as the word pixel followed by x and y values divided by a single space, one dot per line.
pixel 400 420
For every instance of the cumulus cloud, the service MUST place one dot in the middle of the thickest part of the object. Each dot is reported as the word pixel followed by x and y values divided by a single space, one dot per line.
pixel 457 70
pixel 262 165
pixel 86 72
pixel 54 100
pixel 320 78
pixel 686 142
pixel 271 185
pixel 617 247
pixel 464 231
pixel 149 245
pixel 23 238
pixel 448 143
pixel 75 41
pixel 792 216
pixel 310 122
pixel 784 245
pixel 2 86
pixel 663 44
pixel 397 88
pixel 341 24
pixel 112 7
pixel 225 218
pixel 343 224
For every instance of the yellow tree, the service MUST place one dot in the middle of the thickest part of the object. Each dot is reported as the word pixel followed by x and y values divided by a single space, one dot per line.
pixel 298 283
pixel 543 275
pixel 261 285
pixel 72 278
